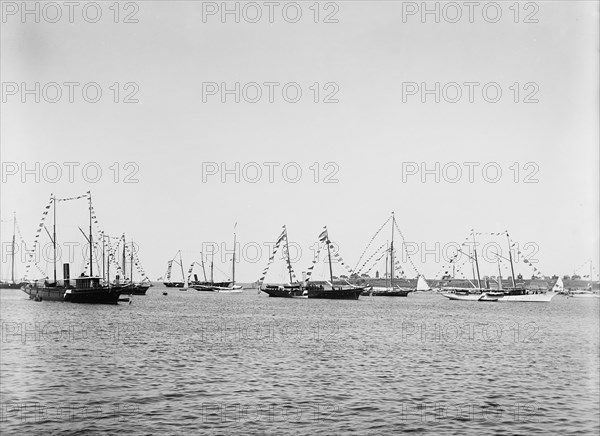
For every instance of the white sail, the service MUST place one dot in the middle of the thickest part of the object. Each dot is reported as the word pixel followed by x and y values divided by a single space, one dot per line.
pixel 558 286
pixel 422 284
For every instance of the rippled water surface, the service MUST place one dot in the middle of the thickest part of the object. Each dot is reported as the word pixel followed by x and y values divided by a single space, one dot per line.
pixel 203 363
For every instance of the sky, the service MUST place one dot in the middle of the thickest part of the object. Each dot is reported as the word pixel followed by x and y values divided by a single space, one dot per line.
pixel 372 143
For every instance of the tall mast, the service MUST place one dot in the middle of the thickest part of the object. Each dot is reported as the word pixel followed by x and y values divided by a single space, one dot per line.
pixel 499 275
pixel 108 264
pixel 387 255
pixel 233 261
pixel 12 262
pixel 103 257
pixel 123 259
pixel 91 242
pixel 131 262
pixel 392 252
pixel 287 249
pixel 212 264
pixel 54 236
pixel 329 257
pixel 203 270
pixel 476 262
pixel 181 264
pixel 512 268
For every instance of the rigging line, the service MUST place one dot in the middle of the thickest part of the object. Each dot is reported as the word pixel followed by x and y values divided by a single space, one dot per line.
pixel 376 261
pixel 405 250
pixel 136 260
pixel 371 257
pixel 272 257
pixel 32 254
pixel 219 269
pixel 371 241
pixel 72 198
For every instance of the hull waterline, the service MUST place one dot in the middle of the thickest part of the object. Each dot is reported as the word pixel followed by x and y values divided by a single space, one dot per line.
pixel 528 298
pixel 94 295
pixel 136 290
pixel 387 292
pixel 285 291
pixel 335 293
pixel 45 294
pixel 466 297
pixel 583 294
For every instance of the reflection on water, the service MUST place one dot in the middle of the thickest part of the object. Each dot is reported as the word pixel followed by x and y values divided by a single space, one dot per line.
pixel 214 363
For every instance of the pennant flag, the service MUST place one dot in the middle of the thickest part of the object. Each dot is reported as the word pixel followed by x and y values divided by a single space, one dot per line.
pixel 272 257
pixel 323 235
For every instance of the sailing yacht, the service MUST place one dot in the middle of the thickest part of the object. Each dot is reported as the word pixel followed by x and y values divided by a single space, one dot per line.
pixel 463 294
pixel 476 293
pixel 390 288
pixel 168 283
pixel 584 293
pixel 225 287
pixel 523 295
pixel 332 291
pixel 210 285
pixel 133 288
pixel 231 287
pixel 306 289
pixel 291 289
pixel 390 291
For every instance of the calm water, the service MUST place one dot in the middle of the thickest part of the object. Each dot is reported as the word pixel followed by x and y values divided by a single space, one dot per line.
pixel 206 363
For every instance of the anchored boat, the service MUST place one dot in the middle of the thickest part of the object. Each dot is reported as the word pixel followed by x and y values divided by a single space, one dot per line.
pixel 331 291
pixel 462 294
pixel 131 286
pixel 305 289
pixel 523 294
pixel 87 289
pixel 585 293
pixel 224 287
pixel 582 293
pixel 90 290
pixel 292 289
pixel 389 288
pixel 209 285
pixel 139 287
pixel 171 284
pixel 476 293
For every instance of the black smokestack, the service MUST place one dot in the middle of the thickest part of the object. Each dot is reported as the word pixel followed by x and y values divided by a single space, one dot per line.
pixel 66 274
